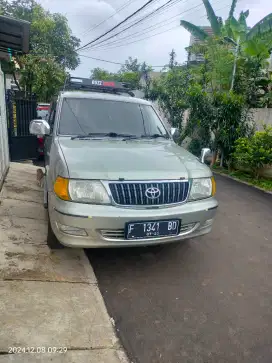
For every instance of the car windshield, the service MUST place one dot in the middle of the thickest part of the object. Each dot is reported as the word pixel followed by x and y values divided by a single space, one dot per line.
pixel 83 116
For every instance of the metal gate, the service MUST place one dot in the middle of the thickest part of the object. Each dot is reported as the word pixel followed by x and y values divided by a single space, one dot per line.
pixel 21 110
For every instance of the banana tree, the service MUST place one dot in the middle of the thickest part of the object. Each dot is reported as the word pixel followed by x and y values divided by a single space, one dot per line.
pixel 262 28
pixel 216 22
pixel 231 26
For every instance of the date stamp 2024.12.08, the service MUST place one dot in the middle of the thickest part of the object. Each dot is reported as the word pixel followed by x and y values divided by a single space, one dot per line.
pixel 21 350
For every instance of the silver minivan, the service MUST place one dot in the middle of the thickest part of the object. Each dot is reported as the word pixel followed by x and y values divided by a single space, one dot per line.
pixel 114 175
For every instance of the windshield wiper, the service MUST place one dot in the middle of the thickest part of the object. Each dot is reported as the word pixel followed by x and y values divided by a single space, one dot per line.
pixel 114 134
pixel 102 134
pixel 80 137
pixel 154 136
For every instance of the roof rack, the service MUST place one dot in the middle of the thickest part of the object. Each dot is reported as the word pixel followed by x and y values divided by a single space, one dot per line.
pixel 93 85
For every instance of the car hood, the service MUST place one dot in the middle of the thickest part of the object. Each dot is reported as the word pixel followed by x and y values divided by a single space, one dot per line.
pixel 132 160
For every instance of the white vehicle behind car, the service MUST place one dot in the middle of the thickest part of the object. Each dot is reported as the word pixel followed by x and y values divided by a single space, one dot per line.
pixel 43 110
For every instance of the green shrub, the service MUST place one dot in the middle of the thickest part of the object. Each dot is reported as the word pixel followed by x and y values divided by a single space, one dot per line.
pixel 262 183
pixel 254 152
pixel 195 147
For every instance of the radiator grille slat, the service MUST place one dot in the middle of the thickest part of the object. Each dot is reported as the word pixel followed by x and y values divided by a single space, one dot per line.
pixel 134 193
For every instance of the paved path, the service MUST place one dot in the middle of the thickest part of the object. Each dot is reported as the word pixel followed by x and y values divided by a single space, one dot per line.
pixel 48 300
pixel 207 300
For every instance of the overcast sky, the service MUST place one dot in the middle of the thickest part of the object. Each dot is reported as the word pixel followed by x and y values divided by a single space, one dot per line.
pixel 83 15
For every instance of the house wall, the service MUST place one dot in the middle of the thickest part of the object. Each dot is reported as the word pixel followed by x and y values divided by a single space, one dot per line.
pixel 10 84
pixel 4 149
pixel 262 116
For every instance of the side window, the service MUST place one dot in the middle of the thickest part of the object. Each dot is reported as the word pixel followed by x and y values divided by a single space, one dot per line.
pixel 153 124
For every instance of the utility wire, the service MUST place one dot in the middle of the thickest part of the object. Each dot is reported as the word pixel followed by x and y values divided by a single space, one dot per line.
pixel 116 26
pixel 118 63
pixel 142 31
pixel 160 24
pixel 117 46
pixel 102 22
pixel 107 61
pixel 151 36
pixel 151 15
pixel 101 60
pixel 139 16
pixel 160 8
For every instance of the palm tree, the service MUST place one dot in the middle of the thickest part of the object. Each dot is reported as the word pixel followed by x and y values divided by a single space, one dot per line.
pixel 262 28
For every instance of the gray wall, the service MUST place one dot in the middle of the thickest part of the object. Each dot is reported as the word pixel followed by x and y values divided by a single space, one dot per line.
pixel 262 116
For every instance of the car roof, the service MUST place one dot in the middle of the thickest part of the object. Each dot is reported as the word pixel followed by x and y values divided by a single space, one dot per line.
pixel 103 96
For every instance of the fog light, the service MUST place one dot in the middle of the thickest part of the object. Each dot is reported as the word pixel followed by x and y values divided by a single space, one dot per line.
pixel 74 231
pixel 207 223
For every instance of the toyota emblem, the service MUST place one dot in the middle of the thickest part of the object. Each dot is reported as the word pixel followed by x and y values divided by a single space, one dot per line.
pixel 152 193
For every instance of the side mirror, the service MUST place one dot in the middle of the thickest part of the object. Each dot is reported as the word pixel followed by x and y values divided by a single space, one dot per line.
pixel 205 154
pixel 175 133
pixel 39 127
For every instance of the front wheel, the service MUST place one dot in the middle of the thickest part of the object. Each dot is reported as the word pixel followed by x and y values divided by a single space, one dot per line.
pixel 52 241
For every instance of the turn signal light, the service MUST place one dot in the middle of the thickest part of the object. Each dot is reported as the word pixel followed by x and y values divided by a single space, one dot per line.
pixel 61 188
pixel 213 186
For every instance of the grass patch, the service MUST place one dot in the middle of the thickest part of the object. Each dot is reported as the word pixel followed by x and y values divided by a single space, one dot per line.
pixel 263 183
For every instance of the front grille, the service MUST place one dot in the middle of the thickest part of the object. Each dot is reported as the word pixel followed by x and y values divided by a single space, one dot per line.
pixel 134 193
pixel 113 233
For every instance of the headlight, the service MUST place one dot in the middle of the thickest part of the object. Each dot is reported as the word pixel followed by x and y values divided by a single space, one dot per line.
pixel 88 192
pixel 202 188
pixel 82 191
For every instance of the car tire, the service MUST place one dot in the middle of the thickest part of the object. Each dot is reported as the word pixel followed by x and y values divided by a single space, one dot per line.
pixel 52 241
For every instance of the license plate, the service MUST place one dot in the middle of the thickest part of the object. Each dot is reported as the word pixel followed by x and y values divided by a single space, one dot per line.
pixel 152 229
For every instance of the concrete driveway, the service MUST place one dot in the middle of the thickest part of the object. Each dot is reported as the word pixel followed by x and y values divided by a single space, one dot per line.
pixel 207 300
pixel 50 307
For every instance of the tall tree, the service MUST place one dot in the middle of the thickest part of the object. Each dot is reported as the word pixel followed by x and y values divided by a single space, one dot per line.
pixel 49 33
pixel 232 9
pixel 102 74
pixel 172 60
pixel 131 72
pixel 42 76
pixel 19 9
pixel 263 27
pixel 131 65
pixel 52 47
pixel 145 75
pixel 215 22
pixel 170 89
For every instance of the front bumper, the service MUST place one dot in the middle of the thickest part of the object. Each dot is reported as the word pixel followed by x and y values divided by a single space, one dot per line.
pixel 104 225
